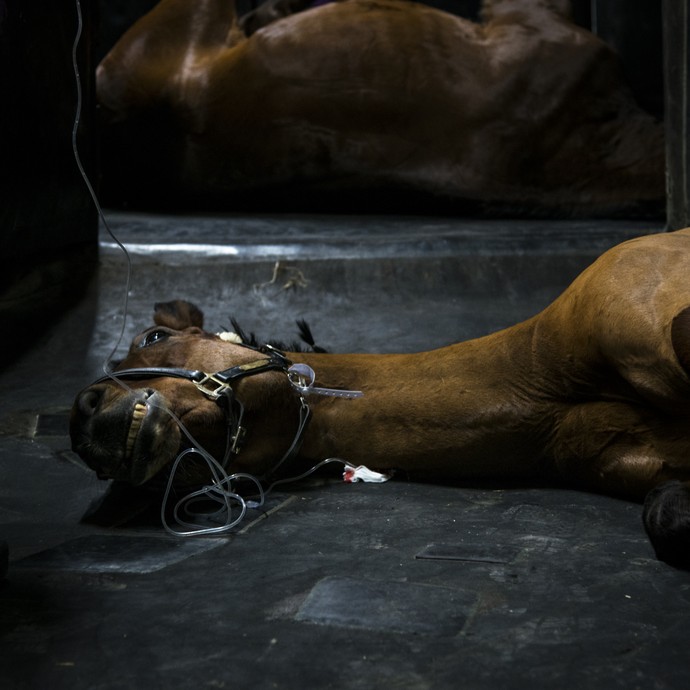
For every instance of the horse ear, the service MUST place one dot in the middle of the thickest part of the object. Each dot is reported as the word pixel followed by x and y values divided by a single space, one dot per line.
pixel 178 315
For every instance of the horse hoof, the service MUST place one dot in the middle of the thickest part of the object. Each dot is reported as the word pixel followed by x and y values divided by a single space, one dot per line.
pixel 666 518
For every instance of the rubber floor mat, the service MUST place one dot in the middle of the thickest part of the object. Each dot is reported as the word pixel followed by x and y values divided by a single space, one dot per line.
pixel 400 607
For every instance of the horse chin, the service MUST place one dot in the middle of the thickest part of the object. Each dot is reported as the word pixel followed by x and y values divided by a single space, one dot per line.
pixel 145 468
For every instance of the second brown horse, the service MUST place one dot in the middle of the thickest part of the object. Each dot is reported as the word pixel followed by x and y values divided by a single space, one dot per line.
pixel 378 100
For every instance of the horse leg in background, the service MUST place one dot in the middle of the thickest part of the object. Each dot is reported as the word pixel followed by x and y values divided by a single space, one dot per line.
pixel 626 450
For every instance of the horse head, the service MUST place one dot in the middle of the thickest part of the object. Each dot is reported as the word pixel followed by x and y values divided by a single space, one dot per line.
pixel 166 395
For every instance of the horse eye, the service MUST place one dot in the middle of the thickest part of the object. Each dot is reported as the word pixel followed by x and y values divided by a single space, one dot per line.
pixel 153 337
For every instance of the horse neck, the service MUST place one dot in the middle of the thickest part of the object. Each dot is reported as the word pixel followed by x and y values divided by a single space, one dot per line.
pixel 419 408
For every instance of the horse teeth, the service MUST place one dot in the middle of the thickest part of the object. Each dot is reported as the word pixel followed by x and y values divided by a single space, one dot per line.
pixel 138 414
pixel 139 411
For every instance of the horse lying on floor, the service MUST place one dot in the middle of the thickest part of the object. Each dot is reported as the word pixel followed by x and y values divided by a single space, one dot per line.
pixel 369 100
pixel 593 392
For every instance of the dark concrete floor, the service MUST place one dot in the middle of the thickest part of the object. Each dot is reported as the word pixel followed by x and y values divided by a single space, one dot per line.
pixel 398 585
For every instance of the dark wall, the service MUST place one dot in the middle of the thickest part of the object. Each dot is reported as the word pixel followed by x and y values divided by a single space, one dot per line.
pixel 634 29
pixel 48 225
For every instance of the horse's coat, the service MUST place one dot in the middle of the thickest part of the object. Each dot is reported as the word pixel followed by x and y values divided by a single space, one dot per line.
pixel 593 392
pixel 378 99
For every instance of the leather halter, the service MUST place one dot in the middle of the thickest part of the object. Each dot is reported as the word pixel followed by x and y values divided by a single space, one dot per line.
pixel 217 386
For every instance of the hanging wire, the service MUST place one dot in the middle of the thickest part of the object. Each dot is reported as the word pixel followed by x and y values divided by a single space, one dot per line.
pixel 89 186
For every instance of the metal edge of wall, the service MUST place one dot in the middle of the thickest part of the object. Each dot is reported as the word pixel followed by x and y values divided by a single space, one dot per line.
pixel 676 74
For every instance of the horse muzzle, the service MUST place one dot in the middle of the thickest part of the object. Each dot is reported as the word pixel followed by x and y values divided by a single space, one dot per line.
pixel 121 434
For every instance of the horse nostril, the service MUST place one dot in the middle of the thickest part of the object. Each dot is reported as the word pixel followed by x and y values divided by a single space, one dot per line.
pixel 88 401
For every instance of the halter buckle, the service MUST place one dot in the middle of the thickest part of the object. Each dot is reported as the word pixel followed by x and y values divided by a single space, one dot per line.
pixel 237 440
pixel 214 393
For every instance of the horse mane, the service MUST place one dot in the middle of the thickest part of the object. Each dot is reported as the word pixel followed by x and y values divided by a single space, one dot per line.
pixel 304 332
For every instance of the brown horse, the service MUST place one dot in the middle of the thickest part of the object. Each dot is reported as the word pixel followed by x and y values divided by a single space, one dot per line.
pixel 593 392
pixel 362 98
